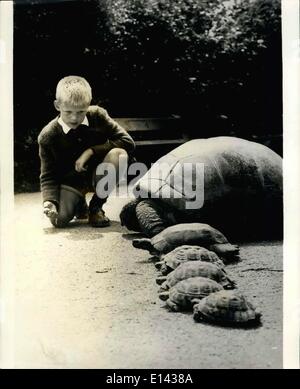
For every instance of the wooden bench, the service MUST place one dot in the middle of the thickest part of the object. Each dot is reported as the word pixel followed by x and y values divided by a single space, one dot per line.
pixel 163 131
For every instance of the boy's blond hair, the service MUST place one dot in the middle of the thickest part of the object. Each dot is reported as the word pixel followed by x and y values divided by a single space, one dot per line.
pixel 73 90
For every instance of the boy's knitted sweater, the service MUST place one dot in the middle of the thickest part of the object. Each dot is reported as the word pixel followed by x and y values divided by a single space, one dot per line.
pixel 59 151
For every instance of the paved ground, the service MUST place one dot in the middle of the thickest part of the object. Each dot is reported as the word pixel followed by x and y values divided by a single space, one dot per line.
pixel 85 298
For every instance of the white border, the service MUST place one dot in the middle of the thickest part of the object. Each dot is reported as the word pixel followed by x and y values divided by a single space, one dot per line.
pixel 7 273
pixel 291 111
pixel 291 174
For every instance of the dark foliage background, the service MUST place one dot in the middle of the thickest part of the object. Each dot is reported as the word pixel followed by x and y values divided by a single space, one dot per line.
pixel 215 63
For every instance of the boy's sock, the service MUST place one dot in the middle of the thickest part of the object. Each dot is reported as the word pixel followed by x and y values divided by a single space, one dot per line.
pixel 96 203
pixel 97 216
pixel 82 210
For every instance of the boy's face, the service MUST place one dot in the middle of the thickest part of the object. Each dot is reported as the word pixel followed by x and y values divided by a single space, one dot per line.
pixel 72 115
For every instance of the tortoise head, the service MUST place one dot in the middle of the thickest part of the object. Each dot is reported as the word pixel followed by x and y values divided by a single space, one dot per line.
pixel 128 216
pixel 145 244
pixel 160 280
pixel 163 268
pixel 159 264
pixel 227 251
pixel 164 295
pixel 227 282
pixel 164 287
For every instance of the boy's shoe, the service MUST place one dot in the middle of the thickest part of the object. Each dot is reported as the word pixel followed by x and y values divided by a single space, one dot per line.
pixel 98 219
pixel 82 212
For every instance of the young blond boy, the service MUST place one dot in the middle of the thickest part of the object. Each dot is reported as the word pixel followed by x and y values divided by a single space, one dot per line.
pixel 71 147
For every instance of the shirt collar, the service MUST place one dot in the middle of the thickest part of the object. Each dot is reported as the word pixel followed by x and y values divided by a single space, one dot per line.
pixel 66 128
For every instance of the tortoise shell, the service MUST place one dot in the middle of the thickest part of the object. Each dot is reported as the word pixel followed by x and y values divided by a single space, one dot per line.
pixel 227 308
pixel 189 234
pixel 241 187
pixel 188 292
pixel 196 269
pixel 186 253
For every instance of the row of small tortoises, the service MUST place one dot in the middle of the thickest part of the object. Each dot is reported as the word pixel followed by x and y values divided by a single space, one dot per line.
pixel 242 195
pixel 194 277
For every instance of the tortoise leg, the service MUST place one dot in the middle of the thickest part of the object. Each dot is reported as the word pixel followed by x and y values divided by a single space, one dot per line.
pixel 151 218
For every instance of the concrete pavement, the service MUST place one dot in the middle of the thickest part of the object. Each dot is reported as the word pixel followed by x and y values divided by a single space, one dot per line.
pixel 85 298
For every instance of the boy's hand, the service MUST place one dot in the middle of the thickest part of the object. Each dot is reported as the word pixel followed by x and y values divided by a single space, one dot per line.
pixel 82 160
pixel 50 209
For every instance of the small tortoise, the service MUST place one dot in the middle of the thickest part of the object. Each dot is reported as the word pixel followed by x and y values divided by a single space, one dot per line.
pixel 227 308
pixel 189 233
pixel 188 292
pixel 195 269
pixel 186 253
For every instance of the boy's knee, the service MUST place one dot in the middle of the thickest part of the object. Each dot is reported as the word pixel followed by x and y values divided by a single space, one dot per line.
pixel 117 153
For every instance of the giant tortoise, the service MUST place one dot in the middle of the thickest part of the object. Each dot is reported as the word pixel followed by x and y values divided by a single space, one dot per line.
pixel 240 182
